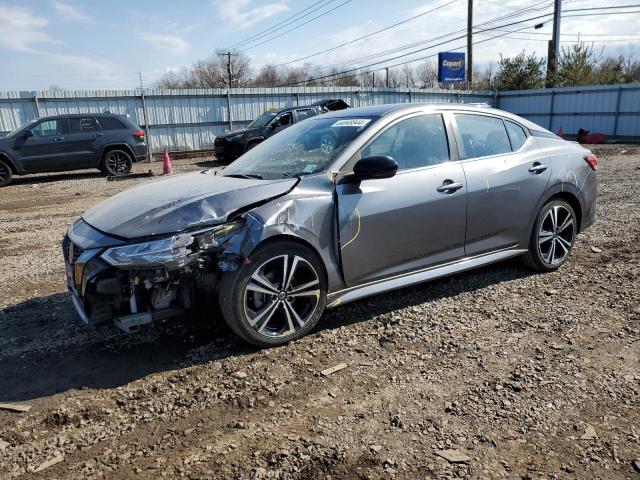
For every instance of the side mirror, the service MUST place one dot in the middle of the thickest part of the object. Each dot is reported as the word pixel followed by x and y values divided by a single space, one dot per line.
pixel 27 133
pixel 376 166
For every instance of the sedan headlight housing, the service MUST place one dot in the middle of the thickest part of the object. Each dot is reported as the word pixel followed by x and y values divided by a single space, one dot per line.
pixel 175 251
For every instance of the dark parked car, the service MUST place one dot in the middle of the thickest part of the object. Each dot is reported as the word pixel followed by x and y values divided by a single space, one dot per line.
pixel 72 142
pixel 230 145
pixel 409 193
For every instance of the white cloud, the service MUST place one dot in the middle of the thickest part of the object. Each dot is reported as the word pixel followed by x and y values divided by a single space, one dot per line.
pixel 70 12
pixel 169 44
pixel 236 14
pixel 21 30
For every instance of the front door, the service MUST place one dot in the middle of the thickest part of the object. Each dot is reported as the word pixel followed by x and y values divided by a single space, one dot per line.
pixel 412 220
pixel 45 150
pixel 506 176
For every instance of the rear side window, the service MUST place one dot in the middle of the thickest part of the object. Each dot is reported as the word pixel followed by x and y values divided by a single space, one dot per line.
pixel 482 135
pixel 49 128
pixel 304 113
pixel 111 123
pixel 416 142
pixel 83 124
pixel 517 136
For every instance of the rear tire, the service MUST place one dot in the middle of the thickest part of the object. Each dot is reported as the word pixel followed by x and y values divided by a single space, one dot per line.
pixel 116 162
pixel 5 173
pixel 552 237
pixel 277 296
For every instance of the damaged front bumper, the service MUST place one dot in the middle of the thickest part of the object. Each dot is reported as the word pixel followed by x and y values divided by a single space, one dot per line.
pixel 135 283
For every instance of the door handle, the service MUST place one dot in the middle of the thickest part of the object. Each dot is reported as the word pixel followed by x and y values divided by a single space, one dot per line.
pixel 58 139
pixel 449 186
pixel 96 135
pixel 538 168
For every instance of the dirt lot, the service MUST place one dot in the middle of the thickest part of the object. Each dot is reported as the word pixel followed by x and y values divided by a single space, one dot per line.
pixel 522 375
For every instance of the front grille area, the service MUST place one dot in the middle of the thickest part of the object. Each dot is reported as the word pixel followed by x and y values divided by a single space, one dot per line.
pixel 218 142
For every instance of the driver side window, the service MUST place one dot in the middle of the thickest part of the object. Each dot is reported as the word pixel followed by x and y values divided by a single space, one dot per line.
pixel 282 120
pixel 416 142
pixel 49 128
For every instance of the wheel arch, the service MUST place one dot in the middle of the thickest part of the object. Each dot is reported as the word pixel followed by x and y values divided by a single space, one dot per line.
pixel 295 239
pixel 253 140
pixel 117 146
pixel 572 200
pixel 7 159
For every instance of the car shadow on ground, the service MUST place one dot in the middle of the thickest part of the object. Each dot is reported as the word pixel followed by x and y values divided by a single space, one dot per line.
pixel 54 177
pixel 45 349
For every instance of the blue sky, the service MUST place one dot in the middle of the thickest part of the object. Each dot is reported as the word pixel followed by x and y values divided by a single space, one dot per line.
pixel 104 44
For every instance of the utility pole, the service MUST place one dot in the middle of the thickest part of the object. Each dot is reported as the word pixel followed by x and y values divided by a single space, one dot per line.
pixel 229 55
pixel 141 84
pixel 469 43
pixel 387 80
pixel 373 78
pixel 554 43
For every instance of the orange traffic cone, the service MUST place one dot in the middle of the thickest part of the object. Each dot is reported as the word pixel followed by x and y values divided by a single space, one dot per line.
pixel 560 132
pixel 167 167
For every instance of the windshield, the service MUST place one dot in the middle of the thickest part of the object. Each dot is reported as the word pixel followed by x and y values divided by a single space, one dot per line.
pixel 262 120
pixel 303 149
pixel 20 129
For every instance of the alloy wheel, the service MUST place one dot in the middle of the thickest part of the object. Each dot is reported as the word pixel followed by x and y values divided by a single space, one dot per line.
pixel 117 162
pixel 556 235
pixel 281 296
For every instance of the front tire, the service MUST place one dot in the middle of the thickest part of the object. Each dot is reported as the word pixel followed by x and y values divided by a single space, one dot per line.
pixel 277 296
pixel 553 237
pixel 116 162
pixel 5 173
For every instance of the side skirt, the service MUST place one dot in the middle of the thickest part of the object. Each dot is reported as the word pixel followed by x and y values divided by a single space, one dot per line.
pixel 366 290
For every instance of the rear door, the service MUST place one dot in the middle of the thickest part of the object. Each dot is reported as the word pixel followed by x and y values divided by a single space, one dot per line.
pixel 83 142
pixel 408 222
pixel 506 175
pixel 45 150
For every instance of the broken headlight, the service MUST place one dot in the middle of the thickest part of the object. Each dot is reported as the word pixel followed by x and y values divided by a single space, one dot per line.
pixel 175 251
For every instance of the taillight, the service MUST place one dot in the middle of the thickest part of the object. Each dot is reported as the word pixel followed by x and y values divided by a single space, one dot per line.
pixel 139 134
pixel 592 160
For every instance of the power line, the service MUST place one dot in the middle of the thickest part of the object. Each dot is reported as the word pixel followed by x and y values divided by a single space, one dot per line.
pixel 296 27
pixel 442 43
pixel 283 23
pixel 368 35
pixel 399 49
pixel 353 61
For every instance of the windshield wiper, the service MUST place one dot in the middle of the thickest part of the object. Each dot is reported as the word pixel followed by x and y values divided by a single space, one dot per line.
pixel 245 175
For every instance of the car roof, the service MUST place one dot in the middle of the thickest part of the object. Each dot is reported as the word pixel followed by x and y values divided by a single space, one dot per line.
pixel 398 108
pixel 87 114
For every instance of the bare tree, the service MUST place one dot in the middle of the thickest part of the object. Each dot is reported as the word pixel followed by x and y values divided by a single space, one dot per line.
pixel 426 75
pixel 407 76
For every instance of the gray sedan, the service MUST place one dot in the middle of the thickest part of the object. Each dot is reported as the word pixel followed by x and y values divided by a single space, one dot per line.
pixel 336 208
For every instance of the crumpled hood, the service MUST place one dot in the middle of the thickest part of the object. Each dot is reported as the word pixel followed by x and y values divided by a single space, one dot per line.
pixel 173 204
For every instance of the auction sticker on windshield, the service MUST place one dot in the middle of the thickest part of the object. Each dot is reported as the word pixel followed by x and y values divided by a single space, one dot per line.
pixel 353 122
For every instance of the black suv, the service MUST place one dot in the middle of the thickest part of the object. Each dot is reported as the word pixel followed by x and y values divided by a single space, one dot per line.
pixel 105 141
pixel 230 145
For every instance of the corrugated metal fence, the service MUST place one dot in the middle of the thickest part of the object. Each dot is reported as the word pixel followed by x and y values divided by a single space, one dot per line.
pixel 190 119
pixel 610 109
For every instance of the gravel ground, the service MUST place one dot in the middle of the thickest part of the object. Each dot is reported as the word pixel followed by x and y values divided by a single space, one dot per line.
pixel 497 373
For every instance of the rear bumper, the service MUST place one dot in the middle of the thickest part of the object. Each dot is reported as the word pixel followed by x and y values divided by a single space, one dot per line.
pixel 140 152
